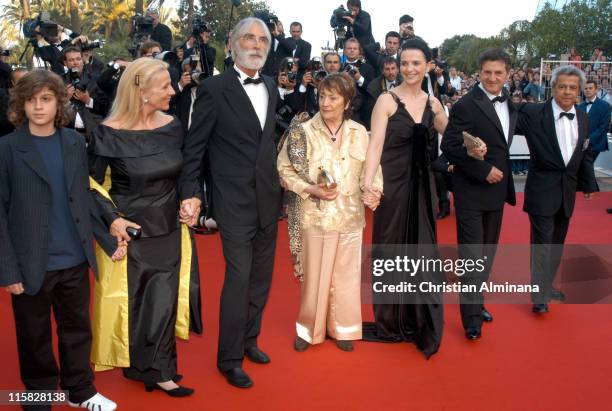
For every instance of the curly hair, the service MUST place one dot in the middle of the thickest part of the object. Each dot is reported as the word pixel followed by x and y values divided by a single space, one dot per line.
pixel 31 84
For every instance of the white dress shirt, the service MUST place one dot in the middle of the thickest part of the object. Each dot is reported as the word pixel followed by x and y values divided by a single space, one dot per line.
pixel 78 121
pixel 456 83
pixel 257 93
pixel 588 106
pixel 502 111
pixel 566 130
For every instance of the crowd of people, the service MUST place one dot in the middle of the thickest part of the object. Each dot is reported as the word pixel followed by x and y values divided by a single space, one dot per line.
pixel 136 153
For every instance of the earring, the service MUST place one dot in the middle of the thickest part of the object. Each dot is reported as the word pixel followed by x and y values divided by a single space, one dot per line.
pixel 146 100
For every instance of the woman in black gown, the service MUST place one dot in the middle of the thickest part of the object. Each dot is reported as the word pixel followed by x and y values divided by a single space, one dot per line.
pixel 404 126
pixel 142 148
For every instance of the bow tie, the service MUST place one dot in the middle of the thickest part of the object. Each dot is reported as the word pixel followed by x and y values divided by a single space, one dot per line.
pixel 499 99
pixel 589 102
pixel 570 116
pixel 251 80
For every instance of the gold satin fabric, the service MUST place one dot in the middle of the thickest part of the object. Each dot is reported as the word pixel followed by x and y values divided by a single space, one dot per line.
pixel 330 300
pixel 346 164
pixel 111 344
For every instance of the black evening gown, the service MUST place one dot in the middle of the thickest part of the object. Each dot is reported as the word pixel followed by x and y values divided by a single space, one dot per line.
pixel 145 167
pixel 406 217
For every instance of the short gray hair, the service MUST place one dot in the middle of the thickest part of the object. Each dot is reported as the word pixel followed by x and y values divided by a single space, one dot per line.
pixel 568 70
pixel 241 28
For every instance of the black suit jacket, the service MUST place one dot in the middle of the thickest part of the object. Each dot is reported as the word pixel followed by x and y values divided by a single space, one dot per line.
pixel 25 197
pixel 52 55
pixel 551 185
pixel 475 114
pixel 246 188
pixel 362 28
pixel 300 102
pixel 183 105
pixel 163 35
pixel 302 51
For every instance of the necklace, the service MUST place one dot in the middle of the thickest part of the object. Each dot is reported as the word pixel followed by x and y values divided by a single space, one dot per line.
pixel 333 138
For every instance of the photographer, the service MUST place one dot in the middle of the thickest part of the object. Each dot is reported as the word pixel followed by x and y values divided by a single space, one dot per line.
pixel 188 84
pixel 406 28
pixel 161 32
pixel 5 70
pixel 277 31
pixel 295 47
pixel 109 79
pixel 198 43
pixel 376 57
pixel 362 73
pixel 93 65
pixel 89 103
pixel 52 53
pixel 359 22
pixel 149 48
pixel 386 81
pixel 306 98
pixel 331 62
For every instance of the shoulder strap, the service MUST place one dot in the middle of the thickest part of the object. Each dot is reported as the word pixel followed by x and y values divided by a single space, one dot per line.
pixel 395 97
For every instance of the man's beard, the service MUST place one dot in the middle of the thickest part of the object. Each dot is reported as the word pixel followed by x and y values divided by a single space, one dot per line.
pixel 251 60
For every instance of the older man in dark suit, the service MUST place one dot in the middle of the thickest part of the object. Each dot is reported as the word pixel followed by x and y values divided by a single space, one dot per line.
pixel 481 187
pixel 560 164
pixel 233 118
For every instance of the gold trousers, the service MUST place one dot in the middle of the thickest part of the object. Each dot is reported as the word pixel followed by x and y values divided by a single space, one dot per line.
pixel 331 291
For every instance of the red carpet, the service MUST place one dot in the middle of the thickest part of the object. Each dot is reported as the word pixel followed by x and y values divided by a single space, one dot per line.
pixel 560 361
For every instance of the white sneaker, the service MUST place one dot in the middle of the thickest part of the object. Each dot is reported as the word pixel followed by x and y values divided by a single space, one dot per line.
pixel 96 403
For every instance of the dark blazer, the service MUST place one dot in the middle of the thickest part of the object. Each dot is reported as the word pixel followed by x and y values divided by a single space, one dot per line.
pixel 551 185
pixel 24 213
pixel 246 188
pixel 475 114
pixel 163 35
pixel 183 105
pixel 52 55
pixel 302 50
pixel 6 126
pixel 362 28
pixel 300 102
pixel 599 123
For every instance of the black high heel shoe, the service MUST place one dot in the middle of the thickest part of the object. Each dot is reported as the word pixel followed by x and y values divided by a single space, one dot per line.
pixel 179 391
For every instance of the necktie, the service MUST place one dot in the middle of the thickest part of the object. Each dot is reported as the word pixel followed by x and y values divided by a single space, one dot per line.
pixel 588 103
pixel 570 116
pixel 251 80
pixel 499 99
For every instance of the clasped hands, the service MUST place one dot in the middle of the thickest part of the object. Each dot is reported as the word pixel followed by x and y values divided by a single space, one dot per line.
pixel 371 197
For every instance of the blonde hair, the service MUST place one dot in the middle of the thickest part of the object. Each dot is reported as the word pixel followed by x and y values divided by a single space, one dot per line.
pixel 128 102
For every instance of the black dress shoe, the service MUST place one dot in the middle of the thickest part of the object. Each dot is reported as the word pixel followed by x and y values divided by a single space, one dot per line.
pixel 345 345
pixel 256 355
pixel 539 308
pixel 486 316
pixel 237 377
pixel 473 333
pixel 557 295
pixel 300 344
pixel 179 391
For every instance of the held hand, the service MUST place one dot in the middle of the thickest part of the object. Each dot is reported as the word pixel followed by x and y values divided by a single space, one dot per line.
pixel 70 90
pixel 349 19
pixel 120 252
pixel 117 229
pixel 371 197
pixel 589 196
pixel 495 175
pixel 16 288
pixel 190 211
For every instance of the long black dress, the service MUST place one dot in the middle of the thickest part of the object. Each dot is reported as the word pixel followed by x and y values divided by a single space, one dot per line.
pixel 406 217
pixel 145 166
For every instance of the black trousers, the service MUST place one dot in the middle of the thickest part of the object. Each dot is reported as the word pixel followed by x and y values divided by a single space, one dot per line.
pixel 442 192
pixel 477 235
pixel 67 292
pixel 249 258
pixel 547 237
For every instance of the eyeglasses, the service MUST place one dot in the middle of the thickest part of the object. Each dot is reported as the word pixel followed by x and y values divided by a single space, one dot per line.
pixel 253 40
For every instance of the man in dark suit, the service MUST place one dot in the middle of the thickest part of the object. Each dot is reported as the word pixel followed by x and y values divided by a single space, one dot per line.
pixel 376 57
pixel 161 33
pixel 295 47
pixel 360 23
pixel 481 187
pixel 47 224
pixel 234 119
pixel 599 118
pixel 363 74
pixel 389 79
pixel 560 164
